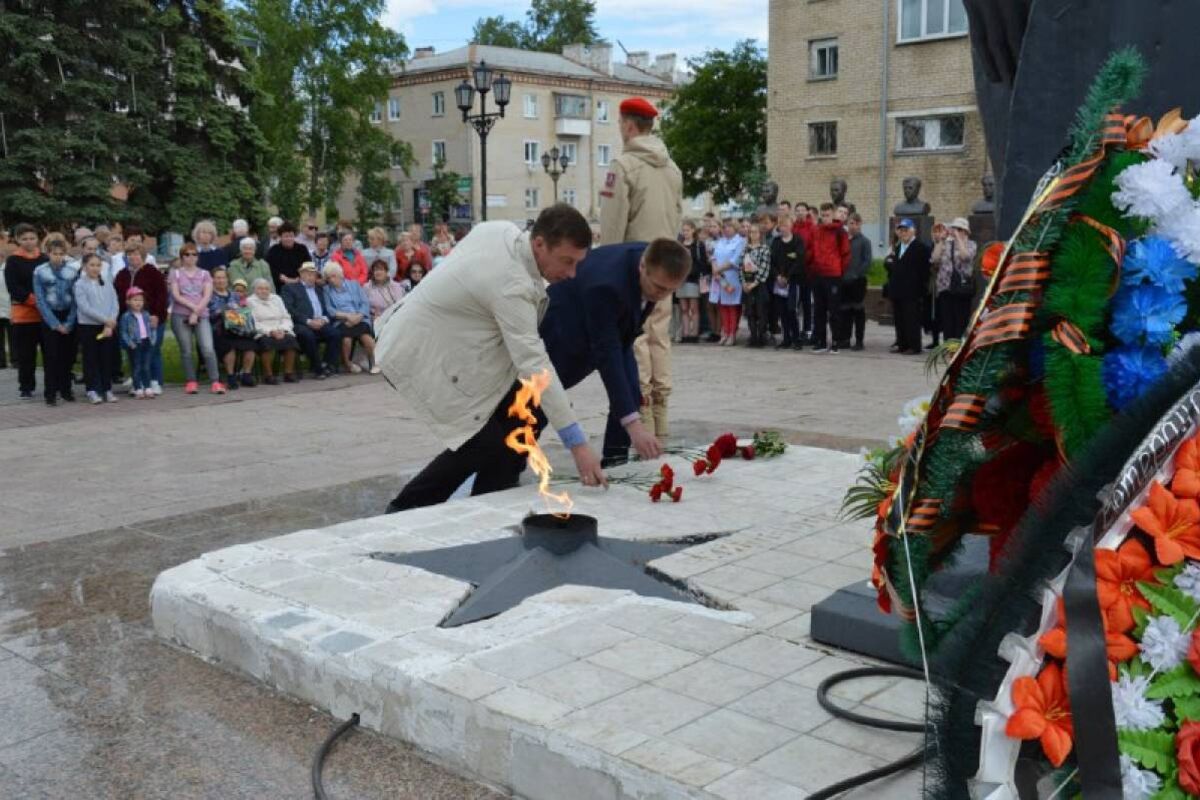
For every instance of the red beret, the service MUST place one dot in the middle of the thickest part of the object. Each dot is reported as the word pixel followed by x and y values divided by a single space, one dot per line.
pixel 638 107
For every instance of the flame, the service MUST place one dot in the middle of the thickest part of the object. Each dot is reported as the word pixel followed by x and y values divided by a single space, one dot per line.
pixel 523 440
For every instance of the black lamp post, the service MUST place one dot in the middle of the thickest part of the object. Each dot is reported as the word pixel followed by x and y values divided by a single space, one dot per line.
pixel 464 97
pixel 555 165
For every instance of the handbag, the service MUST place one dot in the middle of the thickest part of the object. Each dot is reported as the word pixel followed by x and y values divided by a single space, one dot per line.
pixel 238 322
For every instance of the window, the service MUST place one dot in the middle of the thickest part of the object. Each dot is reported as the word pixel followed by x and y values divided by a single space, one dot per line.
pixel 531 106
pixel 568 197
pixel 531 199
pixel 822 139
pixel 822 59
pixel 570 150
pixel 397 161
pixel 930 19
pixel 377 113
pixel 439 150
pixel 603 155
pixel 439 104
pixel 532 153
pixel 393 109
pixel 574 106
pixel 920 134
pixel 602 111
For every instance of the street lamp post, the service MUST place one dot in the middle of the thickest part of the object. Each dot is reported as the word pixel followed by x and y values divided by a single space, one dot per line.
pixel 464 97
pixel 555 165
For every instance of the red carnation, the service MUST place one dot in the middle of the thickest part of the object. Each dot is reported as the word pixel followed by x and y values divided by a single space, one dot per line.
pixel 712 466
pixel 748 452
pixel 699 467
pixel 726 443
pixel 668 477
pixel 1187 752
pixel 676 494
pixel 656 492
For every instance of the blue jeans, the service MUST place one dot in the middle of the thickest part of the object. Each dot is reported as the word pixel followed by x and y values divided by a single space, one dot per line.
pixel 141 361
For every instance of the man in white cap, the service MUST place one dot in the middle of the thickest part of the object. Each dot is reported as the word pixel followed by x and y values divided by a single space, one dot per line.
pixel 640 203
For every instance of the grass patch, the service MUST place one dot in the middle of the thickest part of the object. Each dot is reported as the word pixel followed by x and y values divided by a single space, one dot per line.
pixel 876 275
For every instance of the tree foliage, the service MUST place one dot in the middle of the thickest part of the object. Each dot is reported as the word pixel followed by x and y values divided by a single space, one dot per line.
pixel 322 66
pixel 443 191
pixel 548 26
pixel 146 93
pixel 719 152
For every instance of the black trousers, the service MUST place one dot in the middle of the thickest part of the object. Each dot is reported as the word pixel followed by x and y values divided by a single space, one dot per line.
pixel 484 455
pixel 310 343
pixel 825 306
pixel 58 357
pixel 785 310
pixel 954 311
pixel 5 343
pixel 26 339
pixel 852 317
pixel 908 314
pixel 757 302
pixel 97 358
pixel 806 306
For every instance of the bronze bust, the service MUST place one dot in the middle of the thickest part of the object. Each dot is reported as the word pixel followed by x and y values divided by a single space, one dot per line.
pixel 913 205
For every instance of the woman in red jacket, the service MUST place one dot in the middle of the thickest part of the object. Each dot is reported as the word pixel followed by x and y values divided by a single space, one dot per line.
pixel 351 260
pixel 154 288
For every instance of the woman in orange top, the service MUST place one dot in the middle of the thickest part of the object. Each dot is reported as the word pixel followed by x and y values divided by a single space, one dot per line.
pixel 26 321
pixel 351 260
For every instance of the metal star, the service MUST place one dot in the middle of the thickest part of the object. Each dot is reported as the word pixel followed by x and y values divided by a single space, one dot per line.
pixel 550 552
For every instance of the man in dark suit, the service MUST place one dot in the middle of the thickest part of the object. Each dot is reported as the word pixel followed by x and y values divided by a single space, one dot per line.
pixel 313 324
pixel 593 320
pixel 908 281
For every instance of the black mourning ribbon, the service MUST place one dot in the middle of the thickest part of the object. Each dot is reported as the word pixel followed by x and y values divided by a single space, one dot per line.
pixel 1088 687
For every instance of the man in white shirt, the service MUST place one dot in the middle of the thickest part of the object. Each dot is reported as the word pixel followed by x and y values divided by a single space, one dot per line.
pixel 456 349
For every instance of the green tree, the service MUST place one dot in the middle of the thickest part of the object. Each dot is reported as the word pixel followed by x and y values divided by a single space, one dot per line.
pixel 549 24
pixel 720 154
pixel 324 67
pixel 443 191
pixel 378 195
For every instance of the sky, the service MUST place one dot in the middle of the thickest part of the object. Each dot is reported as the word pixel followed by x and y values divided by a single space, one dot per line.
pixel 685 27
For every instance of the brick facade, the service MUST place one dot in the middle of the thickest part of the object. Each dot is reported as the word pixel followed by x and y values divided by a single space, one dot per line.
pixel 926 77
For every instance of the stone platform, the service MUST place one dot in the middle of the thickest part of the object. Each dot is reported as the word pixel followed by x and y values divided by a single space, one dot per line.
pixel 577 692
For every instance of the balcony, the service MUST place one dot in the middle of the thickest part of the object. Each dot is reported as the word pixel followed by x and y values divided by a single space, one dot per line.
pixel 567 126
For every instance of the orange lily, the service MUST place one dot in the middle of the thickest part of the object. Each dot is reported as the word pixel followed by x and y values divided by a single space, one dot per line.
pixel 1117 575
pixel 1043 712
pixel 1186 482
pixel 1117 645
pixel 1174 524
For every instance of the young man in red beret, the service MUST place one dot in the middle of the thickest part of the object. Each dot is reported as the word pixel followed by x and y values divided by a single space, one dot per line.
pixel 640 202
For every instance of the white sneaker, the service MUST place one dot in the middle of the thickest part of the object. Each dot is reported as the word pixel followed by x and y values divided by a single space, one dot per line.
pixel 139 393
pixel 125 386
pixel 355 369
pixel 376 370
pixel 94 398
pixel 155 388
pixel 109 397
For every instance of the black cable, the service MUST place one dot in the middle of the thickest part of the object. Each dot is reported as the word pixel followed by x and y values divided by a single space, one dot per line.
pixel 319 759
pixel 906 763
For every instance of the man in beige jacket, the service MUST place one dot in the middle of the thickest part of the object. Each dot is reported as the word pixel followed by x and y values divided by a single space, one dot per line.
pixel 641 202
pixel 456 346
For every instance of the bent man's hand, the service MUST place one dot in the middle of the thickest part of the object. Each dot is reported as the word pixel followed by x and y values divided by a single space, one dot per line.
pixel 644 442
pixel 588 465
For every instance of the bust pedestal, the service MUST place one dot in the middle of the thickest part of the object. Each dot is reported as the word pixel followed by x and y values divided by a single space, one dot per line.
pixel 983 228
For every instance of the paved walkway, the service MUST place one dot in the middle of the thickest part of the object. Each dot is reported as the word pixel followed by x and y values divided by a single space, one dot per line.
pixel 97 501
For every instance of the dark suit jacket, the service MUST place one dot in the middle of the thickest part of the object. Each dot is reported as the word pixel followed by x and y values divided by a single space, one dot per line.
pixel 295 300
pixel 908 275
pixel 592 321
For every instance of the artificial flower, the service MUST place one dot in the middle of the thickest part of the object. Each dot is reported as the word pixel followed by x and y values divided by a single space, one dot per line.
pixel 1182 228
pixel 1187 755
pixel 912 415
pixel 748 452
pixel 1147 314
pixel 1129 372
pixel 1134 711
pixel 1152 189
pixel 656 492
pixel 1173 523
pixel 714 454
pixel 1188 581
pixel 668 477
pixel 1193 655
pixel 1177 149
pixel 726 444
pixel 1043 712
pixel 676 494
pixel 1118 647
pixel 1186 482
pixel 1117 575
pixel 1164 646
pixel 1138 784
pixel 699 466
pixel 1154 260
pixel 991 258
pixel 1000 487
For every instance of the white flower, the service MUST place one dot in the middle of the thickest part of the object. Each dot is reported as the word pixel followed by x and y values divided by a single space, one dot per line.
pixel 912 415
pixel 1152 189
pixel 1188 581
pixel 1164 645
pixel 1132 708
pixel 1178 149
pixel 1138 784
pixel 1182 228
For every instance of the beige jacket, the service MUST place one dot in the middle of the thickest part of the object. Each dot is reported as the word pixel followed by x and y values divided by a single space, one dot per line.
pixel 641 195
pixel 269 315
pixel 455 347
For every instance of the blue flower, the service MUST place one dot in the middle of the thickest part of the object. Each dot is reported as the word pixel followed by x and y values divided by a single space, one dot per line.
pixel 1146 314
pixel 1154 260
pixel 1131 371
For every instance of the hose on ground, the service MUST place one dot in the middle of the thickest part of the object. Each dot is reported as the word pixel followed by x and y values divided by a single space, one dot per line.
pixel 318 763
